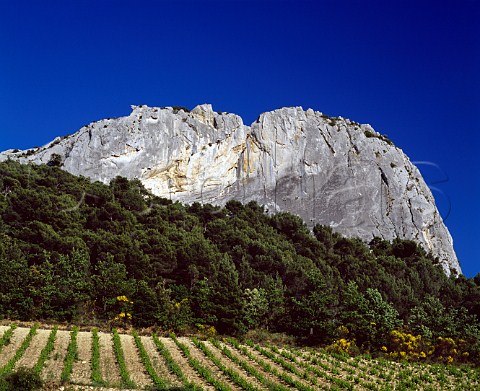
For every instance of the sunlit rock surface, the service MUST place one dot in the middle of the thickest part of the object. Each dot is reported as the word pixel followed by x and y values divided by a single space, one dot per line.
pixel 330 171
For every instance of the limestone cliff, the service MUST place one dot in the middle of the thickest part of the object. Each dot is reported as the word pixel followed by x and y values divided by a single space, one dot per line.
pixel 331 171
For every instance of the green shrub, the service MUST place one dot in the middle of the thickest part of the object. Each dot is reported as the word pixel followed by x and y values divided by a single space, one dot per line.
pixel 176 109
pixel 383 137
pixel 55 160
pixel 24 379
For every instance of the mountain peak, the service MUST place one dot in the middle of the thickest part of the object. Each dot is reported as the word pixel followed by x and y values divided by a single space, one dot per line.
pixel 328 170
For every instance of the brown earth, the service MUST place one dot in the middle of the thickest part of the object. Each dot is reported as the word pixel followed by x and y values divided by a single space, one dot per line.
pixel 158 362
pixel 270 376
pixel 133 362
pixel 181 360
pixel 31 355
pixel 82 371
pixel 54 365
pixel 9 350
pixel 108 362
pixel 279 368
pixel 198 355
pixel 3 329
pixel 362 373
pixel 231 365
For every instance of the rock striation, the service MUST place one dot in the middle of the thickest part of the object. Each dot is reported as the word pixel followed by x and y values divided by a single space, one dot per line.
pixel 329 171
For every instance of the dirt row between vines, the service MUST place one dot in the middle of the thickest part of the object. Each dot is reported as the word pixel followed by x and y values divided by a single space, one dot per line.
pixel 110 370
pixel 81 375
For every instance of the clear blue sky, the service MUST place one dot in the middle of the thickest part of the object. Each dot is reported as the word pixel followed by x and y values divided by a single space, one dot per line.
pixel 409 68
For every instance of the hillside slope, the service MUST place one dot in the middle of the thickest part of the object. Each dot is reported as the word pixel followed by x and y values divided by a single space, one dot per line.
pixel 329 171
pixel 130 361
pixel 89 252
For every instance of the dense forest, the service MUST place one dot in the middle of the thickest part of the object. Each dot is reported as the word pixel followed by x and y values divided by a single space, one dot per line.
pixel 80 251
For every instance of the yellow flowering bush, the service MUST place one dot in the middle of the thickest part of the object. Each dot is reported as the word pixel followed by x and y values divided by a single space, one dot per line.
pixel 123 316
pixel 407 346
pixel 124 299
pixel 450 350
pixel 343 346
pixel 125 308
pixel 178 305
pixel 206 330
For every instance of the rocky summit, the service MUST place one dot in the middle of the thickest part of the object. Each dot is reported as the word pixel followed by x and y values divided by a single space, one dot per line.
pixel 329 171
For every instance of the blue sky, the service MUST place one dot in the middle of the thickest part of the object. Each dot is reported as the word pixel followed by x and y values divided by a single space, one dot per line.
pixel 409 68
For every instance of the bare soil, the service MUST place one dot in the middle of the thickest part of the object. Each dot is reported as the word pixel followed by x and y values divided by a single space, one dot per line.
pixel 9 350
pixel 108 362
pixel 133 362
pixel 279 368
pixel 3 329
pixel 31 355
pixel 252 363
pixel 341 370
pixel 51 386
pixel 54 365
pixel 181 360
pixel 158 363
pixel 82 371
pixel 199 356
pixel 230 364
pixel 366 371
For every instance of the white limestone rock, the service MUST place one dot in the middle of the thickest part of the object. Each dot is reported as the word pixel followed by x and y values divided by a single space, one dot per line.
pixel 329 171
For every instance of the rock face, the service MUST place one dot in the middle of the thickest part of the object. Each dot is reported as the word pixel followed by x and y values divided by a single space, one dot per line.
pixel 330 171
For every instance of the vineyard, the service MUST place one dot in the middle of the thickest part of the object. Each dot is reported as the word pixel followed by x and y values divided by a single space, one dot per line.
pixel 83 359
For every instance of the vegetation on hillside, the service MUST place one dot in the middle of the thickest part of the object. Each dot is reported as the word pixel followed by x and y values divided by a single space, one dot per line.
pixel 81 251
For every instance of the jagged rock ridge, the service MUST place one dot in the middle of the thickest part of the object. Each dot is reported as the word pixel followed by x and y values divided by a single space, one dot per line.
pixel 331 171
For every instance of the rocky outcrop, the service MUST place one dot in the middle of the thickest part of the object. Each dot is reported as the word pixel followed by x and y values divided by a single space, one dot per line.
pixel 330 171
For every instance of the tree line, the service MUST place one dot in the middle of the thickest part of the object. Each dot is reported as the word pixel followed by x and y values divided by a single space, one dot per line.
pixel 81 251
